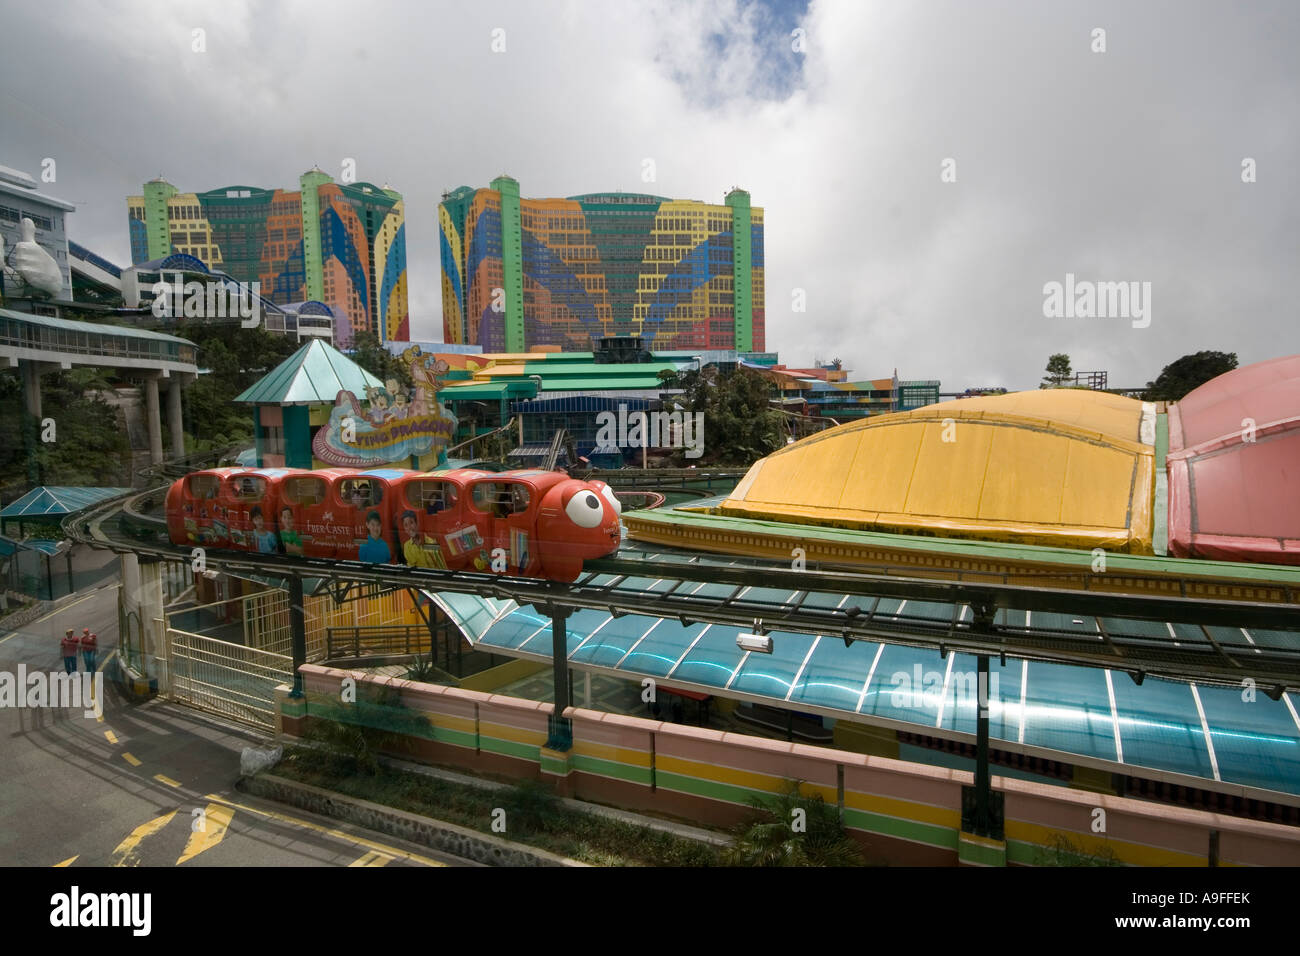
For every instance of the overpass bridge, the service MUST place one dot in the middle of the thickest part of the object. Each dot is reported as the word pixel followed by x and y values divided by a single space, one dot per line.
pixel 36 344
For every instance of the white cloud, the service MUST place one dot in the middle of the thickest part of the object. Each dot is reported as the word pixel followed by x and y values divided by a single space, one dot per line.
pixel 1117 166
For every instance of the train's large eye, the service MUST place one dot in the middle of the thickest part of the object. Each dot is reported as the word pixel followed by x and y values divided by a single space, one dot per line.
pixel 614 503
pixel 584 510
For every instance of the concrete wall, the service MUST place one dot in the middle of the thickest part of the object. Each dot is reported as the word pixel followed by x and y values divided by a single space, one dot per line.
pixel 902 813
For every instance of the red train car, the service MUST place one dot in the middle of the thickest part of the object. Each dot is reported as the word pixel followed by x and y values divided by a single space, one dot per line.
pixel 435 527
pixel 191 507
pixel 225 508
pixel 533 523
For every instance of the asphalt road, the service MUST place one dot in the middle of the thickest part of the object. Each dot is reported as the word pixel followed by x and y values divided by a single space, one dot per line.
pixel 148 784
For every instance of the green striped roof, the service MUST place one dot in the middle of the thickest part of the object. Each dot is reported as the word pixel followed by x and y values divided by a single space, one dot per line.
pixel 313 375
pixel 1116 562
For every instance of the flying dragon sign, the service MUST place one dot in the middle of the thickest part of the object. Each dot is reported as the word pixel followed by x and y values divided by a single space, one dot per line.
pixel 396 424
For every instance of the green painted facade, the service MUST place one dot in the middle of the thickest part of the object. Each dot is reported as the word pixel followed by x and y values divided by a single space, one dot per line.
pixel 308 182
pixel 512 261
pixel 156 194
pixel 742 275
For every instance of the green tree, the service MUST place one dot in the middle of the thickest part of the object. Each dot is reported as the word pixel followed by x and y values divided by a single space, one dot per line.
pixel 79 439
pixel 1187 373
pixel 791 829
pixel 740 425
pixel 370 354
pixel 1058 371
pixel 234 358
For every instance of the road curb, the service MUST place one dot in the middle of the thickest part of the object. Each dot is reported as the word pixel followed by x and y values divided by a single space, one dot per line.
pixel 426 831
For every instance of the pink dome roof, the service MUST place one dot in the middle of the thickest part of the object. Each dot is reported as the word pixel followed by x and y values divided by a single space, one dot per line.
pixel 1234 466
pixel 1264 392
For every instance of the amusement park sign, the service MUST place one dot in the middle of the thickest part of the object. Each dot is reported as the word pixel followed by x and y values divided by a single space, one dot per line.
pixel 395 426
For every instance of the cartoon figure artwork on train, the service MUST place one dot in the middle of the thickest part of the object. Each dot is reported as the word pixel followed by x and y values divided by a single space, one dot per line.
pixel 528 523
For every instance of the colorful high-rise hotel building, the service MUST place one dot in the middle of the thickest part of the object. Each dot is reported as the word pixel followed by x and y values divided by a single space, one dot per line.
pixel 343 244
pixel 523 272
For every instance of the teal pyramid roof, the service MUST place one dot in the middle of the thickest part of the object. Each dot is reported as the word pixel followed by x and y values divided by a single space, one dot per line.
pixel 57 500
pixel 310 376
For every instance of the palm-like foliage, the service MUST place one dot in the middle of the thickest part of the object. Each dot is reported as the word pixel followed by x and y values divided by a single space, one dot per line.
pixel 769 838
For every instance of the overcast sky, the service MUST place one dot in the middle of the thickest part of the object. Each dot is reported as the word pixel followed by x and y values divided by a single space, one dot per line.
pixel 1122 165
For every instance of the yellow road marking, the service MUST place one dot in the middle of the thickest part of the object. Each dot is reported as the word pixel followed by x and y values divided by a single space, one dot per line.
pixel 215 821
pixel 112 737
pixel 337 834
pixel 372 858
pixel 167 780
pixel 130 758
pixel 67 862
pixel 127 851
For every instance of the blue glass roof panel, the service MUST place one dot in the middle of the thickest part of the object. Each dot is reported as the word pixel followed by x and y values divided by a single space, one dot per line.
pixel 835 675
pixel 1159 726
pixel 1254 745
pixel 1068 708
pixel 772 675
pixel 712 660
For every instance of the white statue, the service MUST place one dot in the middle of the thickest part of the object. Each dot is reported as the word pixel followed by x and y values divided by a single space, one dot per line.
pixel 31 265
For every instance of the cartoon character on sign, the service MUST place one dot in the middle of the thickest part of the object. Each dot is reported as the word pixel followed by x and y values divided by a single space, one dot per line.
pixel 426 372
pixel 378 399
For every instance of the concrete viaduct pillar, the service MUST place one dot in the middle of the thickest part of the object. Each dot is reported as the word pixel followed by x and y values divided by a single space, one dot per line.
pixel 174 423
pixel 154 419
pixel 31 373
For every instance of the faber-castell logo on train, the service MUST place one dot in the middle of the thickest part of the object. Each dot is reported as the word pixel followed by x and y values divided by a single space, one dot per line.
pixel 75 908
pixel 53 690
pixel 652 430
pixel 213 299
pixel 1098 300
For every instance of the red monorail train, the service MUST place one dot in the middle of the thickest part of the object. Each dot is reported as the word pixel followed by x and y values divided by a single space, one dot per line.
pixel 532 523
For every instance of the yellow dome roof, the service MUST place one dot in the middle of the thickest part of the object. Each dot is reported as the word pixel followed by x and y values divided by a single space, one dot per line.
pixel 1061 467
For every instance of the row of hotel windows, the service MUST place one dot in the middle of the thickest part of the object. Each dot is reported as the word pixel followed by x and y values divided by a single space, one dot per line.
pixel 10 214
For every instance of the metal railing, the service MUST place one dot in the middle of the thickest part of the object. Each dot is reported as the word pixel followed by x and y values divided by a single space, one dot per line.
pixel 376 641
pixel 226 678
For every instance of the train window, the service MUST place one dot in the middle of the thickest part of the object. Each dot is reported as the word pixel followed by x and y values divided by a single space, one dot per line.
pixel 361 493
pixel 204 486
pixel 432 496
pixel 249 486
pixel 501 498
pixel 303 491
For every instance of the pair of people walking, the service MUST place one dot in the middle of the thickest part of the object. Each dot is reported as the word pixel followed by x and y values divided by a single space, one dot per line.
pixel 87 645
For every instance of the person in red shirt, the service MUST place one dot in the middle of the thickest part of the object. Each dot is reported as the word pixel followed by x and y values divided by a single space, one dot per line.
pixel 89 645
pixel 69 645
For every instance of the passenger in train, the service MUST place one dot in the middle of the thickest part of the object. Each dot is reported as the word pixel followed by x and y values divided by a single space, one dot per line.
pixel 266 543
pixel 290 538
pixel 375 550
pixel 420 551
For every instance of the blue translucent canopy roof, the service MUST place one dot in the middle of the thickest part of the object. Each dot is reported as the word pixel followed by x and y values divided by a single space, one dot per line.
pixel 1086 714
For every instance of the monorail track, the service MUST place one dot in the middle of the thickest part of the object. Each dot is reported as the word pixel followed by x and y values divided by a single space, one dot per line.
pixel 1103 629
